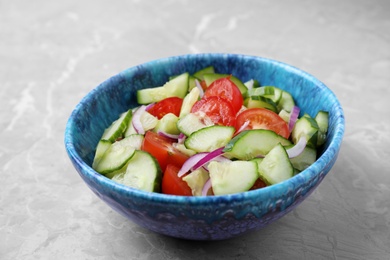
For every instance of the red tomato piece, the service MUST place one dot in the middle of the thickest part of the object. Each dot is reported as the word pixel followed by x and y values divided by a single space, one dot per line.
pixel 218 109
pixel 226 89
pixel 258 184
pixel 165 106
pixel 172 184
pixel 261 118
pixel 162 149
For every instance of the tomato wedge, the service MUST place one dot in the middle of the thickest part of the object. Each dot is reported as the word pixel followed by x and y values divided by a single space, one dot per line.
pixel 165 106
pixel 172 184
pixel 162 149
pixel 226 89
pixel 259 183
pixel 261 118
pixel 218 109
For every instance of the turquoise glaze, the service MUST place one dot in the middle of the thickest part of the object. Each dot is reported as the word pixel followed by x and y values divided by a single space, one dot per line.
pixel 200 218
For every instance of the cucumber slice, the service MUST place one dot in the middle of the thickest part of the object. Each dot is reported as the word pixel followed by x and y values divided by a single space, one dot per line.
pixel 182 148
pixel 305 159
pixel 150 95
pixel 322 119
pixel 112 157
pixel 257 161
pixel 101 148
pixel 261 91
pixel 191 82
pixel 148 121
pixel 130 130
pixel 209 138
pixel 285 115
pixel 268 94
pixel 305 126
pixel 167 124
pixel 276 93
pixel 196 180
pixel 207 70
pixel 232 177
pixel 253 83
pixel 134 140
pixel 260 102
pixel 210 78
pixel 189 101
pixel 276 166
pixel 115 157
pixel 193 122
pixel 117 128
pixel 143 172
pixel 176 87
pixel 286 102
pixel 252 143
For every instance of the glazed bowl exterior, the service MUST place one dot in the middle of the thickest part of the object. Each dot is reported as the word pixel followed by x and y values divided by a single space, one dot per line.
pixel 211 217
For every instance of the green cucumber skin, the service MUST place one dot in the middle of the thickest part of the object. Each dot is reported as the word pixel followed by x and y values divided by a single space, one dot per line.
pixel 232 177
pixel 122 150
pixel 115 157
pixel 192 123
pixel 118 127
pixel 305 159
pixel 276 166
pixel 188 102
pixel 306 126
pixel 286 102
pixel 101 148
pixel 209 138
pixel 322 119
pixel 200 73
pixel 251 143
pixel 142 172
pixel 273 93
pixel 262 102
pixel 134 140
pixel 176 87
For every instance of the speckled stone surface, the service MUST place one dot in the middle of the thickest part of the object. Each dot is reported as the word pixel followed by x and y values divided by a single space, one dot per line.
pixel 53 53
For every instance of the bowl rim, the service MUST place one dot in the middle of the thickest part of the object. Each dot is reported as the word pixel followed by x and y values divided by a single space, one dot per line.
pixel 308 174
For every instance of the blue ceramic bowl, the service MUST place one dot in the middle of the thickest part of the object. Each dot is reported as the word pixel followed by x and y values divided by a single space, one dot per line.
pixel 212 217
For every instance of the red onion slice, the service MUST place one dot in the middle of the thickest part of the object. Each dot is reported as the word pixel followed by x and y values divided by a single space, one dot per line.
pixel 136 120
pixel 165 134
pixel 201 92
pixel 181 138
pixel 298 148
pixel 242 128
pixel 189 164
pixel 220 158
pixel 148 107
pixel 209 156
pixel 206 187
pixel 293 117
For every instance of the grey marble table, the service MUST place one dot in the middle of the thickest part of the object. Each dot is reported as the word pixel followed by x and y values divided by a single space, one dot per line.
pixel 53 53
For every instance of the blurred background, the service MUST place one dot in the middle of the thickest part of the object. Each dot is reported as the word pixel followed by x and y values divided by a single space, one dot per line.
pixel 53 53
